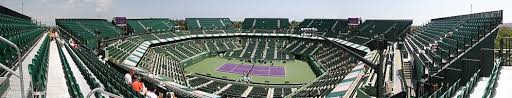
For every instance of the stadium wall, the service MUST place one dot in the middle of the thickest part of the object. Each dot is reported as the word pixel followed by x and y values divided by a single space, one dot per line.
pixel 487 57
pixel 197 58
pixel 315 67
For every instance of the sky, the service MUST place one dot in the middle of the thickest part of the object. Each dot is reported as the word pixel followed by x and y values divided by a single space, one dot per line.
pixel 420 11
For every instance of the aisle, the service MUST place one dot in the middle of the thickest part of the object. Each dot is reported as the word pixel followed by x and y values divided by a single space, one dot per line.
pixel 56 87
pixel 84 87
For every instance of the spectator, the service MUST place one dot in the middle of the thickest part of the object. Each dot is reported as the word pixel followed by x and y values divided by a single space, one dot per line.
pixel 75 45
pixel 171 95
pixel 50 34
pixel 128 77
pixel 137 84
pixel 151 93
pixel 56 34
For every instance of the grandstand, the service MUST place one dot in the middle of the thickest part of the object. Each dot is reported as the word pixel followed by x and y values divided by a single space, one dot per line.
pixel 265 23
pixel 21 32
pixel 209 23
pixel 85 30
pixel 151 25
pixel 389 28
pixel 119 52
pixel 450 56
pixel 445 42
pixel 327 27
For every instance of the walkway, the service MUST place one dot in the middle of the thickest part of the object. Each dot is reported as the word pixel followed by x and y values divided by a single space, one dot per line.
pixel 504 83
pixel 479 89
pixel 397 72
pixel 82 83
pixel 56 85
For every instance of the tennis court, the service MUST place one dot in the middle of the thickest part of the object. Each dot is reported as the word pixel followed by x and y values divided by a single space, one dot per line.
pixel 293 72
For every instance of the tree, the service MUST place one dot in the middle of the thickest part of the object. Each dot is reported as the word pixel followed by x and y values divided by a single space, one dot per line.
pixel 237 24
pixel 294 24
pixel 182 24
pixel 503 32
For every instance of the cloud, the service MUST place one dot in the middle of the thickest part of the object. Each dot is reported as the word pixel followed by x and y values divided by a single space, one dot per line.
pixel 103 5
pixel 72 3
pixel 100 5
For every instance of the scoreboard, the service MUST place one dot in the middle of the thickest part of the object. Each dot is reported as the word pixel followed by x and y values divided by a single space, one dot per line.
pixel 120 21
pixel 354 21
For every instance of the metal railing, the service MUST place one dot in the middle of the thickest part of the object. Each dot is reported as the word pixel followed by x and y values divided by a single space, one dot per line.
pixel 102 91
pixel 20 75
pixel 506 51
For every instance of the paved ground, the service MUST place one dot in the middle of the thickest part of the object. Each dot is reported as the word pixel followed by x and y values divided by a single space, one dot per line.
pixel 504 85
pixel 397 73
pixel 56 85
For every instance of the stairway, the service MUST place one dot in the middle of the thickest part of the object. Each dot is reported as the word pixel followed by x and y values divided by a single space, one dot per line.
pixel 309 24
pixel 84 87
pixel 407 70
pixel 198 23
pixel 335 24
pixel 145 28
pixel 56 86
pixel 278 23
pixel 222 22
pixel 166 24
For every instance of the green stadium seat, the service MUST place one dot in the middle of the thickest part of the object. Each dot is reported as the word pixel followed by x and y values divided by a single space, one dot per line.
pixel 83 29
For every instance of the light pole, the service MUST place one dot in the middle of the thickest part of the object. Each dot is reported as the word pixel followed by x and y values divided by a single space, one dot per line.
pixel 22 6
pixel 470 7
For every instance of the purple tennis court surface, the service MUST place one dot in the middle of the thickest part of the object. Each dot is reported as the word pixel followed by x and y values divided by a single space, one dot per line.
pixel 274 71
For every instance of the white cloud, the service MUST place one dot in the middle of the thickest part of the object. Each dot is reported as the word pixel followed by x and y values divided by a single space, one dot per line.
pixel 103 5
pixel 71 3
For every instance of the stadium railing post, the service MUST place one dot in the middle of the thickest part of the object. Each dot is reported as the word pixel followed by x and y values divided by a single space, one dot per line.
pixel 20 75
pixel 101 90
